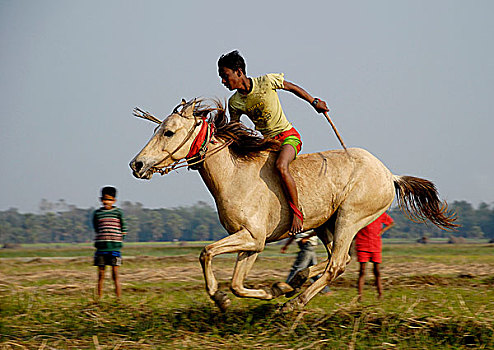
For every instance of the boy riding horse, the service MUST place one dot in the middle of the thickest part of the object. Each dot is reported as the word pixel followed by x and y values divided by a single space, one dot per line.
pixel 257 98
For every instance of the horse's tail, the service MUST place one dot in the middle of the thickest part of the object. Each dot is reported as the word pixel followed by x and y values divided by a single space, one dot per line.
pixel 419 200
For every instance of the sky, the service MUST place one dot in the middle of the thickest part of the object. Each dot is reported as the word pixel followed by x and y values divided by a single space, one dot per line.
pixel 410 81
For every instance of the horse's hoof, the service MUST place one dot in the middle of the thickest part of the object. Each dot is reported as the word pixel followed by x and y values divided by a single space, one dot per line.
pixel 297 281
pixel 290 306
pixel 221 300
pixel 348 259
pixel 280 288
pixel 292 293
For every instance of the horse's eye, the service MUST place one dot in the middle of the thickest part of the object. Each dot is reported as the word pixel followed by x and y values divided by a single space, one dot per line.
pixel 168 133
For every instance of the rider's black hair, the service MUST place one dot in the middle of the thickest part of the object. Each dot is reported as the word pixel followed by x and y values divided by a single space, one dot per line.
pixel 232 60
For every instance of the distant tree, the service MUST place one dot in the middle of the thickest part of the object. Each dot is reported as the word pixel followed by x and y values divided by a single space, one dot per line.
pixel 173 226
pixel 151 226
pixel 485 219
pixel 133 213
pixel 61 222
pixel 46 206
pixel 465 217
pixel 32 228
pixel 6 233
pixel 133 227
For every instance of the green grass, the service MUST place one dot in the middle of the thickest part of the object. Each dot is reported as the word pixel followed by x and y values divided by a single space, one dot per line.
pixel 50 304
pixel 187 320
pixel 88 250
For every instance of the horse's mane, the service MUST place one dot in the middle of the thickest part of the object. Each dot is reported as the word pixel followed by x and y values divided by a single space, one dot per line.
pixel 246 143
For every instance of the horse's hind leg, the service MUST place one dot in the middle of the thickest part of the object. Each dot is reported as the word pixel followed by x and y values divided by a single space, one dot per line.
pixel 346 229
pixel 325 234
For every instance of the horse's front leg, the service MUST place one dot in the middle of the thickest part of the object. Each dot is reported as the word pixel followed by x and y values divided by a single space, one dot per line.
pixel 242 240
pixel 245 261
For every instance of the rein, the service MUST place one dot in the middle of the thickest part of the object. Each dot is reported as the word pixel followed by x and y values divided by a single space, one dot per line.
pixel 198 151
pixel 181 163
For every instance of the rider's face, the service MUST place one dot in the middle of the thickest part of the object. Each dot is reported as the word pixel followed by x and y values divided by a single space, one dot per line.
pixel 230 78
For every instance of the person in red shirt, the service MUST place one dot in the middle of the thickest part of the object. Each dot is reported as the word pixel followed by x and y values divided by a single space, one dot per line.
pixel 368 244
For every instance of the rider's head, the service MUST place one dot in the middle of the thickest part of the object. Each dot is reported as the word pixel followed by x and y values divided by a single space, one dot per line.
pixel 232 60
pixel 231 68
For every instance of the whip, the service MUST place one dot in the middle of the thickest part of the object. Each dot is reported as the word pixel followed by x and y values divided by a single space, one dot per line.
pixel 334 129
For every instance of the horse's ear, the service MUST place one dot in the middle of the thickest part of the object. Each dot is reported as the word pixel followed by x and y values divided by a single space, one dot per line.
pixel 182 104
pixel 189 108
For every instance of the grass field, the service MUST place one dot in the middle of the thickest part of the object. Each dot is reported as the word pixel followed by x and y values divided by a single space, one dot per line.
pixel 437 296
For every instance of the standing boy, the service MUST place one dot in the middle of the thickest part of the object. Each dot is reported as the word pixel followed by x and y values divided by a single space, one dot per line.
pixel 110 228
pixel 257 98
pixel 369 246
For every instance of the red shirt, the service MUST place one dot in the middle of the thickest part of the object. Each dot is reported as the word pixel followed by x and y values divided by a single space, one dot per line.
pixel 369 239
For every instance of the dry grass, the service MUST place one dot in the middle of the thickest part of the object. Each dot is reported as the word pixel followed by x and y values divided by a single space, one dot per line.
pixel 48 304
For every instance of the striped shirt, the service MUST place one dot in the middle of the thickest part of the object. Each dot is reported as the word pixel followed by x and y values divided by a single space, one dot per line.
pixel 110 229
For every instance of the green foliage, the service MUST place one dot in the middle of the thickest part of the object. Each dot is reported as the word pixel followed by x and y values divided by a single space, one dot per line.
pixel 63 223
pixel 474 223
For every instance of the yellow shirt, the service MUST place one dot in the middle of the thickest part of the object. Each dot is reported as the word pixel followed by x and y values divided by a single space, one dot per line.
pixel 261 105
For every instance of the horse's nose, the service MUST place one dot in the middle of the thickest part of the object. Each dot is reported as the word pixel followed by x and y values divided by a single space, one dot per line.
pixel 137 166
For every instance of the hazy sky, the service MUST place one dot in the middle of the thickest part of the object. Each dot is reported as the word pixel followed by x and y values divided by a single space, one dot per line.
pixel 410 81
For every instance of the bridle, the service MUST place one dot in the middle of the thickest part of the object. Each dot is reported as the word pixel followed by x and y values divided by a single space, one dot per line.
pixel 199 149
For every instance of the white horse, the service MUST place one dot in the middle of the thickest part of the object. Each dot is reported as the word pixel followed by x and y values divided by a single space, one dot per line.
pixel 340 193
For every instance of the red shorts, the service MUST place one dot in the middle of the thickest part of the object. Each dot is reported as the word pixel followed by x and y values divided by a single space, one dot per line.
pixel 290 137
pixel 374 257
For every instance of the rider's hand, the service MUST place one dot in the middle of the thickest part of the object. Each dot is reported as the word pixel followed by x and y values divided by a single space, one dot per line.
pixel 320 106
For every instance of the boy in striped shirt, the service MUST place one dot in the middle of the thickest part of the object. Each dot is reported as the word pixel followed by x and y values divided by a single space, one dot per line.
pixel 110 229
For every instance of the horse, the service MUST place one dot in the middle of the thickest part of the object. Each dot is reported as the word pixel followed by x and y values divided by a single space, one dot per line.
pixel 340 191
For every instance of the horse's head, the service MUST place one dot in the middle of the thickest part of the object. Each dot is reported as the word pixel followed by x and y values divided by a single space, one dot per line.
pixel 170 142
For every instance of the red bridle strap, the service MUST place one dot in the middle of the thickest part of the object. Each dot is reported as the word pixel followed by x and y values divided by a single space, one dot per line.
pixel 200 139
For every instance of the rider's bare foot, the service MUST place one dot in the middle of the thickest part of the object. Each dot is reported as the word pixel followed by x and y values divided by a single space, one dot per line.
pixel 297 225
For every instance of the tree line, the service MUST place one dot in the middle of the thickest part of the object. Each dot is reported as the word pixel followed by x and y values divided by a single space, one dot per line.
pixel 59 222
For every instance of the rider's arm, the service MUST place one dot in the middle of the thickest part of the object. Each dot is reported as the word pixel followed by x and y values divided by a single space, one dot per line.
pixel 320 106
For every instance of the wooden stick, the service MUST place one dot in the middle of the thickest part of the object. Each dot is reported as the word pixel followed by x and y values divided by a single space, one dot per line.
pixel 334 129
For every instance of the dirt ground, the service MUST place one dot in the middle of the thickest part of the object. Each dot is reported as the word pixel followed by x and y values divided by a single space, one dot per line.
pixel 53 275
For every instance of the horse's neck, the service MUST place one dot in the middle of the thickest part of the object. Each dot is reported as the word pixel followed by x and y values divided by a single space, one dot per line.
pixel 217 168
pixel 220 170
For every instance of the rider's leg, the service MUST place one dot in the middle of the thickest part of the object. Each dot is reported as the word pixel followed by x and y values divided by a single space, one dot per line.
pixel 286 156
